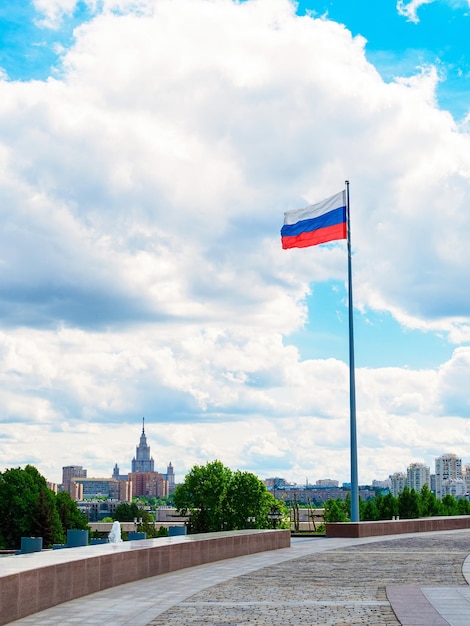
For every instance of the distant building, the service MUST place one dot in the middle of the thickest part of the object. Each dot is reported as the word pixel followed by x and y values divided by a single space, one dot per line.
pixel 448 467
pixel 150 484
pixel 72 471
pixel 141 481
pixel 117 475
pixel 142 462
pixel 96 510
pixel 327 482
pixel 170 515
pixel 75 490
pixel 145 480
pixel 454 487
pixel 397 483
pixel 381 484
pixel 310 494
pixel 466 474
pixel 105 488
pixel 170 477
pixel 418 475
pixel 69 472
pixel 275 482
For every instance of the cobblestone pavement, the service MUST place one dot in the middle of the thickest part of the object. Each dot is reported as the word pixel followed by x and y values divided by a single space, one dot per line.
pixel 339 587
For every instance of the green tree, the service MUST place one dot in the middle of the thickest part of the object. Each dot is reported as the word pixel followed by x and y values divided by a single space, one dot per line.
pixel 45 520
pixel 202 495
pixel 218 499
pixel 463 506
pixel 70 515
pixel 127 512
pixel 27 508
pixel 148 524
pixel 450 505
pixel 334 511
pixel 369 510
pixel 388 507
pixel 248 502
pixel 429 505
pixel 345 505
pixel 17 501
pixel 153 501
pixel 378 501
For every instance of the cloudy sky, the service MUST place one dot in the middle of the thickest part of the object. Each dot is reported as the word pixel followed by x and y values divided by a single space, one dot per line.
pixel 148 151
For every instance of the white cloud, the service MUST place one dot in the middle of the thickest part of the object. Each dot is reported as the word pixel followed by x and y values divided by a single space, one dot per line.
pixel 212 397
pixel 53 11
pixel 141 270
pixel 410 9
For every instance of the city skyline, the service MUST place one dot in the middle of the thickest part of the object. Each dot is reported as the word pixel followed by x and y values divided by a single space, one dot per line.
pixel 413 466
pixel 148 152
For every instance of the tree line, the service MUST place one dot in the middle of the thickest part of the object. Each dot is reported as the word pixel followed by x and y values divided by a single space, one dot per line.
pixel 28 508
pixel 409 504
pixel 215 497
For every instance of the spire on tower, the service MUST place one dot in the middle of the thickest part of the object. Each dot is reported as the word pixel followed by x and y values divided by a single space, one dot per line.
pixel 142 462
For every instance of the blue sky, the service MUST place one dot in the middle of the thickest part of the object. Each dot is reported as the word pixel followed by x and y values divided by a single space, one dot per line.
pixel 396 45
pixel 148 151
pixel 379 338
pixel 30 51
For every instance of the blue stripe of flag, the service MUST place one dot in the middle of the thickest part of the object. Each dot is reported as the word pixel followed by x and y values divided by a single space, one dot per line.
pixel 332 218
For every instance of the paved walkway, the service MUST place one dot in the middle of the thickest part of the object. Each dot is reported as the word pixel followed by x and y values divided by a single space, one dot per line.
pixel 412 580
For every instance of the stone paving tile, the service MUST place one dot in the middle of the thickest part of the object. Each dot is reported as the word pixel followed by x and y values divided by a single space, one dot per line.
pixel 453 603
pixel 340 587
pixel 412 608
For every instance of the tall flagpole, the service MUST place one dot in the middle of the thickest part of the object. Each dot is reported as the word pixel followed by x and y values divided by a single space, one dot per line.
pixel 352 383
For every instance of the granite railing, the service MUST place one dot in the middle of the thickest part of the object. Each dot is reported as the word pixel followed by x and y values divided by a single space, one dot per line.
pixel 30 583
pixel 395 527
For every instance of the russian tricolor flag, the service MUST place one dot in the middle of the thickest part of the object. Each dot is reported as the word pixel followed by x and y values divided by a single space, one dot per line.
pixel 317 223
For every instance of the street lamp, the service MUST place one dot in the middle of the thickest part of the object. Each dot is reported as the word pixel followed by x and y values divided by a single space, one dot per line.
pixel 274 516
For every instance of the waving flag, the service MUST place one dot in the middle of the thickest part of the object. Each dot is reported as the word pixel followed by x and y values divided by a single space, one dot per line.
pixel 317 223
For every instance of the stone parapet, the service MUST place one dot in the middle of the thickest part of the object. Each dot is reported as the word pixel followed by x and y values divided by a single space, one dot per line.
pixel 30 583
pixel 396 527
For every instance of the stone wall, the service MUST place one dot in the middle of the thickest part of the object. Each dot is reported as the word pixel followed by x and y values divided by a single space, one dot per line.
pixel 33 582
pixel 396 527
